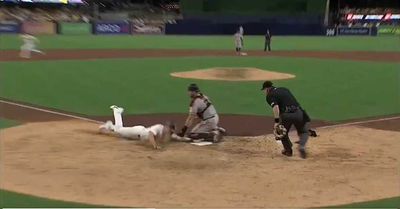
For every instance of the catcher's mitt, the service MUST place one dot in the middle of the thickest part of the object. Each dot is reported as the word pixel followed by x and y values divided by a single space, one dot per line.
pixel 279 132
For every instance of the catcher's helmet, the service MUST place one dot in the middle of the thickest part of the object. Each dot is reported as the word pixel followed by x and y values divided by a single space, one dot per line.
pixel 193 87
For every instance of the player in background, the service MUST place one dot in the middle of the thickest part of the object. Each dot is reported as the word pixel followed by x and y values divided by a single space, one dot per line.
pixel 153 134
pixel 241 31
pixel 29 45
pixel 267 44
pixel 238 42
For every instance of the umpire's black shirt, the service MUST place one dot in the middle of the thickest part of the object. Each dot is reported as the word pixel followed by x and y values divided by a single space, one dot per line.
pixel 282 97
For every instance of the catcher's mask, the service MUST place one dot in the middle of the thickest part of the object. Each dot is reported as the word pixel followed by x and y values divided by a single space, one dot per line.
pixel 279 132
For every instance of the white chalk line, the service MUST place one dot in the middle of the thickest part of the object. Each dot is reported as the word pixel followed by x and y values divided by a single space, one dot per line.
pixel 96 121
pixel 51 112
pixel 359 122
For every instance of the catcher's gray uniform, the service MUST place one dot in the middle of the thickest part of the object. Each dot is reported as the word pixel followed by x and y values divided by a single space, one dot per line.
pixel 203 108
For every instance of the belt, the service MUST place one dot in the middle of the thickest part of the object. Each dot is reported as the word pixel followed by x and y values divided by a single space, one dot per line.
pixel 291 109
pixel 209 118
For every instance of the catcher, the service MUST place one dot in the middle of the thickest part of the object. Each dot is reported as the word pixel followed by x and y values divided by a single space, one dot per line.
pixel 202 108
pixel 287 112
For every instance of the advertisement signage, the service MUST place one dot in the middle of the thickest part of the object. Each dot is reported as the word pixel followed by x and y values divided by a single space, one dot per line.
pixel 375 17
pixel 354 31
pixel 330 32
pixel 148 28
pixel 51 1
pixel 9 28
pixel 389 30
pixel 111 28
pixel 45 28
pixel 75 28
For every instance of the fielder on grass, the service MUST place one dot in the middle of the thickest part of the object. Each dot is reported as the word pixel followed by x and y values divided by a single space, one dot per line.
pixel 238 42
pixel 154 134
pixel 241 31
pixel 29 45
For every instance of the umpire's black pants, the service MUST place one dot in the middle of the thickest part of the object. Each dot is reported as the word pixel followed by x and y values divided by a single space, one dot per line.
pixel 267 46
pixel 297 119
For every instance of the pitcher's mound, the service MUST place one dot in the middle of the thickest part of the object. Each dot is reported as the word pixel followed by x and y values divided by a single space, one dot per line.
pixel 233 74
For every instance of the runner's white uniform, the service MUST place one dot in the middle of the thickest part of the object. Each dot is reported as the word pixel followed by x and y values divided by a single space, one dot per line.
pixel 241 31
pixel 29 46
pixel 134 132
pixel 238 40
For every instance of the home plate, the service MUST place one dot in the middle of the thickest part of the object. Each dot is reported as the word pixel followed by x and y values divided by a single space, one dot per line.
pixel 243 53
pixel 202 143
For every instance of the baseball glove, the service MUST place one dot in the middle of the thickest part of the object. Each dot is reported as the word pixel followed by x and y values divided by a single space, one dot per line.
pixel 279 132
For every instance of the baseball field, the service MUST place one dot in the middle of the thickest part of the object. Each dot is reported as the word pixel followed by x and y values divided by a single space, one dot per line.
pixel 52 154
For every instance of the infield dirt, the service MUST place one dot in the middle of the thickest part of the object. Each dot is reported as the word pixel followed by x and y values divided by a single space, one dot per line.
pixel 69 160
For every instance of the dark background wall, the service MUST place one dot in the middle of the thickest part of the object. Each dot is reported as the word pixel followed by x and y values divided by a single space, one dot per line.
pixel 282 17
pixel 253 7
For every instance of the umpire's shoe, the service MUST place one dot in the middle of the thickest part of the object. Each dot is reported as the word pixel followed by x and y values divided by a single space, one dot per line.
pixel 288 153
pixel 303 153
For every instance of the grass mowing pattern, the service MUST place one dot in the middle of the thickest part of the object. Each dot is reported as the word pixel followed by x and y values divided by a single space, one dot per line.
pixel 328 89
pixel 313 43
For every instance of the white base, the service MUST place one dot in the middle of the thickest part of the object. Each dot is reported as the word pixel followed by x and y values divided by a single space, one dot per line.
pixel 202 143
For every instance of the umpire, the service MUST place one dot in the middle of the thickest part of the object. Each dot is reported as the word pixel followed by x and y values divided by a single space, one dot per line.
pixel 267 44
pixel 288 112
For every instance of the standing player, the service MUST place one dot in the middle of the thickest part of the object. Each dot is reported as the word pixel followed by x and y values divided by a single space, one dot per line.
pixel 238 42
pixel 267 44
pixel 287 112
pixel 241 31
pixel 202 108
pixel 153 134
pixel 29 46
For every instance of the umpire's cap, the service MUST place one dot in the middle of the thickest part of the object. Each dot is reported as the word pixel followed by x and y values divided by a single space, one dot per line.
pixel 267 84
pixel 193 87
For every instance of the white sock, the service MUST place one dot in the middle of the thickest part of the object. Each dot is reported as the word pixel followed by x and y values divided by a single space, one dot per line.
pixel 37 51
pixel 118 119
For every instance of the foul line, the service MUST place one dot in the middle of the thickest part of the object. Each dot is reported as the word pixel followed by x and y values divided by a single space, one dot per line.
pixel 51 112
pixel 359 122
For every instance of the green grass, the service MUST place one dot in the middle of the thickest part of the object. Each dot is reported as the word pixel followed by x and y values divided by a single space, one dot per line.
pixel 383 43
pixel 384 203
pixel 5 123
pixel 328 89
pixel 16 200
